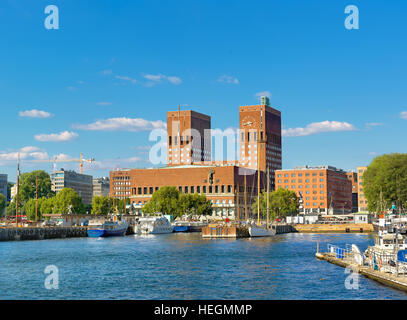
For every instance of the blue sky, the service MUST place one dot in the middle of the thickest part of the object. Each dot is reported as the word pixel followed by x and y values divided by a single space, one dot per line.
pixel 139 59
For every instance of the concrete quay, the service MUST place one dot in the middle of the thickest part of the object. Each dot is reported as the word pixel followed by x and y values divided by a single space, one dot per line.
pixel 40 233
pixel 397 282
pixel 237 231
pixel 334 228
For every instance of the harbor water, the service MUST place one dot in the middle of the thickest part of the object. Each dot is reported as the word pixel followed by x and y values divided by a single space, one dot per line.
pixel 182 266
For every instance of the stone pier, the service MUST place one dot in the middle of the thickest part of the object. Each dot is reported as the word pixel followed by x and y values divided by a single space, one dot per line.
pixel 40 233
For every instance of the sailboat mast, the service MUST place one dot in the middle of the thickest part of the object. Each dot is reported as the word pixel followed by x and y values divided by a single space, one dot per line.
pixel 18 188
pixel 268 190
pixel 36 198
pixel 237 203
pixel 245 198
pixel 258 180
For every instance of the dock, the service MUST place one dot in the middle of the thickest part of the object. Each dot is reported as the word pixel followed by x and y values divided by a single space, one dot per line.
pixel 225 231
pixel 397 282
pixel 40 233
pixel 237 230
pixel 334 228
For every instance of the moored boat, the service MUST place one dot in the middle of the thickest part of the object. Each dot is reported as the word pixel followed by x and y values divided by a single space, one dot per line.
pixel 154 225
pixel 107 229
pixel 261 231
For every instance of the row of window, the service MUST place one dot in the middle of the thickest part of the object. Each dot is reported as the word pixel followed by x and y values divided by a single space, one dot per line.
pixel 314 174
pixel 300 180
pixel 307 186
pixel 186 189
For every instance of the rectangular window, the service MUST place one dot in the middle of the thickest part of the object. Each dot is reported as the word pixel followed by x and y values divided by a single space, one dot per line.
pixel 204 189
pixel 192 189
pixel 216 189
pixel 210 189
pixel 169 140
pixel 198 189
pixel 151 190
pixel 229 188
pixel 185 189
pixel 222 188
pixel 139 190
pixel 145 190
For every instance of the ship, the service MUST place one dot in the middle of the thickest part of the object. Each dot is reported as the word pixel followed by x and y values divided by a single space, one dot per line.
pixel 107 229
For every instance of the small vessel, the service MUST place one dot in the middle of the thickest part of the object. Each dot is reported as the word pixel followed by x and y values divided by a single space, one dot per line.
pixel 189 226
pixel 107 229
pixel 153 225
pixel 389 249
pixel 258 230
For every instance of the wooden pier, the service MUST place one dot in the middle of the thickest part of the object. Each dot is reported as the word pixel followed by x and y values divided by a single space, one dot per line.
pixel 397 282
pixel 225 231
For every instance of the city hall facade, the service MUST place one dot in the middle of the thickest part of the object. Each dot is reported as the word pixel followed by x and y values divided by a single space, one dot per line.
pixel 231 186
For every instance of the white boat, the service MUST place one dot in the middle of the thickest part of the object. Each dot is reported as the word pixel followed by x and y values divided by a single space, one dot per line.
pixel 261 231
pixel 153 225
pixel 388 248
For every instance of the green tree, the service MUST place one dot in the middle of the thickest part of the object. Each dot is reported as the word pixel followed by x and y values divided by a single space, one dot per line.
pixel 11 209
pixel 3 203
pixel 102 205
pixel 386 178
pixel 47 205
pixel 27 186
pixel 282 202
pixel 30 208
pixel 68 198
pixel 194 204
pixel 164 200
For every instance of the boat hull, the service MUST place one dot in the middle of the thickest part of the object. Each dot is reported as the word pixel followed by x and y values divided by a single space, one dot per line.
pixel 96 233
pixel 182 229
pixel 255 231
pixel 115 233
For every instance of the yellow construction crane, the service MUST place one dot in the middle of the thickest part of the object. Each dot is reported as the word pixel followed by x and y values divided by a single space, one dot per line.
pixel 81 160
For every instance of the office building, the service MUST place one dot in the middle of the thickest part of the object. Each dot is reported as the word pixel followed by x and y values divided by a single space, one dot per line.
pixel 101 187
pixel 322 189
pixel 81 183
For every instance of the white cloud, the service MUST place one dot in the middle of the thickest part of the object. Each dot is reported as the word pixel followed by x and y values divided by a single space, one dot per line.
pixel 112 164
pixel 403 115
pixel 318 127
pixel 374 124
pixel 34 113
pixel 228 79
pixel 104 103
pixel 125 78
pixel 263 93
pixel 105 72
pixel 56 137
pixel 156 78
pixel 25 153
pixel 122 124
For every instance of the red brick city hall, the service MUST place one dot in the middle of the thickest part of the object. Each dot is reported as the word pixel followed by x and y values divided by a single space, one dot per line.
pixel 232 185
